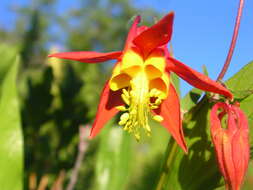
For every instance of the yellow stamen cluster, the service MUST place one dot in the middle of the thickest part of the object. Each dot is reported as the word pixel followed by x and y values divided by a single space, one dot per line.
pixel 139 101
pixel 144 85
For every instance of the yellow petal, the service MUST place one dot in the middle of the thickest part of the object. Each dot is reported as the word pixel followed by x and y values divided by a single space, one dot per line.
pixel 155 64
pixel 131 62
pixel 119 80
pixel 161 84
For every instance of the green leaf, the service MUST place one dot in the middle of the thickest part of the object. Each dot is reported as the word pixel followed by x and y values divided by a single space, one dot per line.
pixel 191 99
pixel 241 84
pixel 176 82
pixel 11 142
pixel 246 105
pixel 8 56
pixel 112 168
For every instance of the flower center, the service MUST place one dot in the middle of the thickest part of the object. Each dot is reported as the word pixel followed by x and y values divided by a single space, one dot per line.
pixel 139 100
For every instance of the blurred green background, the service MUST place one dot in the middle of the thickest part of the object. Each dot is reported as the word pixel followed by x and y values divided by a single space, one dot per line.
pixel 58 97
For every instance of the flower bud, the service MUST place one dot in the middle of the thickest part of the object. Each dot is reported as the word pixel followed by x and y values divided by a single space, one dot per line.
pixel 231 143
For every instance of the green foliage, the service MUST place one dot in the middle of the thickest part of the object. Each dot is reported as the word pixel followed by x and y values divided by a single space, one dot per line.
pixel 114 159
pixel 53 128
pixel 11 143
pixel 176 82
pixel 191 99
pixel 8 57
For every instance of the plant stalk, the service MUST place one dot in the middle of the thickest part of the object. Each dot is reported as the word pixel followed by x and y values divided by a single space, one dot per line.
pixel 81 151
pixel 233 42
pixel 171 153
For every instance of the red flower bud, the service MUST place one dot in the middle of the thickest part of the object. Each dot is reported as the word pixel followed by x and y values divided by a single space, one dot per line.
pixel 231 143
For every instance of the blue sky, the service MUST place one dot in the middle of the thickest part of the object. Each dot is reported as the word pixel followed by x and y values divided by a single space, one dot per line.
pixel 202 31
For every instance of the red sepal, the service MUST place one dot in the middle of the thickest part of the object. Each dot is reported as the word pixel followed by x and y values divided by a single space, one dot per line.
pixel 106 109
pixel 157 35
pixel 195 78
pixel 170 111
pixel 132 33
pixel 88 56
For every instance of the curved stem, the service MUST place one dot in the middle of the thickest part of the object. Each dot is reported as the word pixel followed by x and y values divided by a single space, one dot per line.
pixel 233 41
pixel 81 151
pixel 170 156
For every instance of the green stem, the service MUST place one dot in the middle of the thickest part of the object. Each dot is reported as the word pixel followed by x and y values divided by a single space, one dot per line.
pixel 170 154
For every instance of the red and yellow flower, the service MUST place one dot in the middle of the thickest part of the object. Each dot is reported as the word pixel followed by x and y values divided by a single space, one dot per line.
pixel 140 85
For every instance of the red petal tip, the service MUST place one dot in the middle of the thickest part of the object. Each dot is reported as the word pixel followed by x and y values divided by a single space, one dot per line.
pixel 157 35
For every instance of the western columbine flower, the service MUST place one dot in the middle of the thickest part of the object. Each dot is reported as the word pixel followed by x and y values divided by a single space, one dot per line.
pixel 231 143
pixel 140 83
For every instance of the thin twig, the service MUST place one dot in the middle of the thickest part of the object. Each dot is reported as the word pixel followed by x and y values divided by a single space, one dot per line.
pixel 43 182
pixel 58 183
pixel 81 151
pixel 233 42
pixel 32 181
